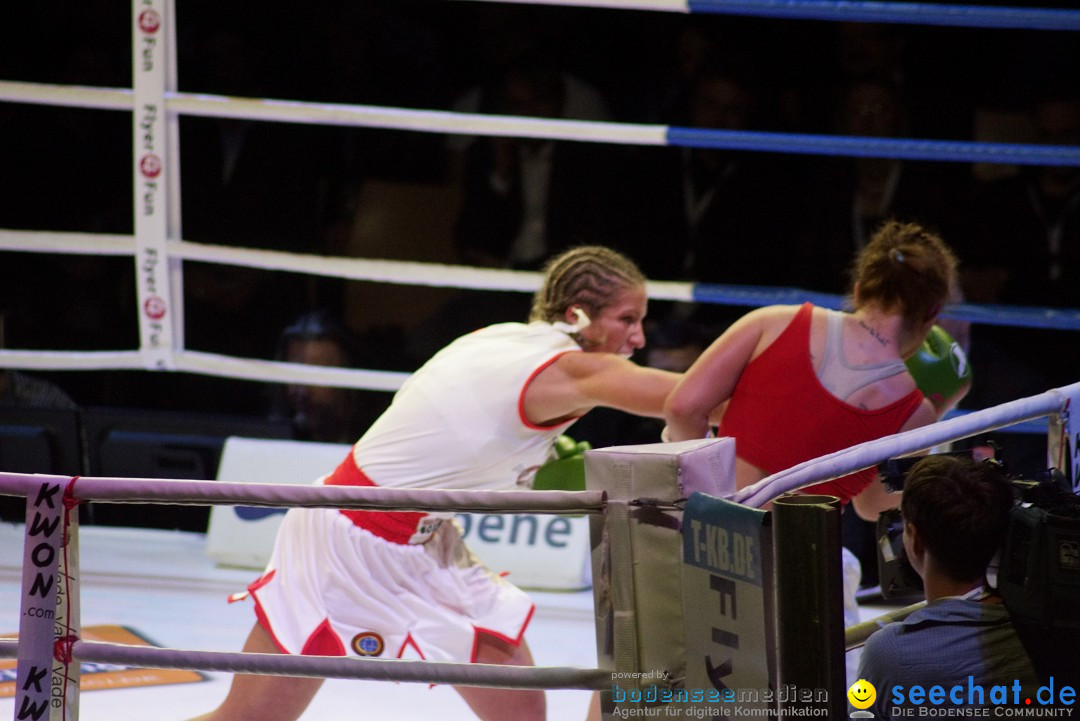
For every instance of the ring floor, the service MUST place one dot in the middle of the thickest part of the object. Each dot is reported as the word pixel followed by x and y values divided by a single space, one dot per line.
pixel 162 585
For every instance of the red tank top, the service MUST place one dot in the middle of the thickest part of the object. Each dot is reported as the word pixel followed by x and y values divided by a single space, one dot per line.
pixel 780 415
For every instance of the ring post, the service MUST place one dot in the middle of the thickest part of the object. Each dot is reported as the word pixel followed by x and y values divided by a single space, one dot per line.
pixel 1063 437
pixel 150 178
pixel 637 564
pixel 809 600
pixel 41 579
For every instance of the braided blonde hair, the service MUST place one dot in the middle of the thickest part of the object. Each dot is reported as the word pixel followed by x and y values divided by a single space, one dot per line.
pixel 591 276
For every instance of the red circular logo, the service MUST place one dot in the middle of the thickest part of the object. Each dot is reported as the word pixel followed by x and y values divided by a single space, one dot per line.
pixel 149 21
pixel 154 307
pixel 150 166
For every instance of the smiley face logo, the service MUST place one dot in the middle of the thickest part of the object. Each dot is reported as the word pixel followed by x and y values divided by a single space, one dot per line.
pixel 861 694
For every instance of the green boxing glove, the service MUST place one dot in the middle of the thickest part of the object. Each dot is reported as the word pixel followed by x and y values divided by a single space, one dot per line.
pixel 941 370
pixel 565 472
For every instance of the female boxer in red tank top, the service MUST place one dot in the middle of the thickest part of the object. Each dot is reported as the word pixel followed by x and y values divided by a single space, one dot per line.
pixel 785 404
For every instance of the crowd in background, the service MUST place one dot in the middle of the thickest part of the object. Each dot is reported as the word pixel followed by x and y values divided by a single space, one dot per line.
pixel 712 216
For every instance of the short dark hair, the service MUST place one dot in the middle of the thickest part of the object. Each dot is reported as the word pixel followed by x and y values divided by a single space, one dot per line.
pixel 321 325
pixel 960 508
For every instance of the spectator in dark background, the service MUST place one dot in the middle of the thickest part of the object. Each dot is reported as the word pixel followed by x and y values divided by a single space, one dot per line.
pixel 1023 236
pixel 245 183
pixel 325 414
pixel 524 199
pixel 283 179
pixel 19 389
pixel 847 197
pixel 1021 246
pixel 707 214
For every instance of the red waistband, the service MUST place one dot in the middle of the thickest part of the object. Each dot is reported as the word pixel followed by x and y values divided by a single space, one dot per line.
pixel 393 526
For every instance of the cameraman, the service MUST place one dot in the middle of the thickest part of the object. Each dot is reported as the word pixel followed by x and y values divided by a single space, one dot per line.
pixel 956 513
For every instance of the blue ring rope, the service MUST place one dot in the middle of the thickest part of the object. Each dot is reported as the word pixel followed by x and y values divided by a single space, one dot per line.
pixel 1009 315
pixel 850 146
pixel 894 12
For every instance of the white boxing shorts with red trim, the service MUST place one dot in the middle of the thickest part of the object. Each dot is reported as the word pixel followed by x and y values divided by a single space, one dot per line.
pixel 332 588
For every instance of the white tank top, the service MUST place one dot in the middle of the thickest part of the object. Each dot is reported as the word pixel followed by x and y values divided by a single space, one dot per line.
pixel 457 422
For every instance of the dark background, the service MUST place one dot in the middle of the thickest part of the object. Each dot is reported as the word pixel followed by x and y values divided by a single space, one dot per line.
pixel 302 188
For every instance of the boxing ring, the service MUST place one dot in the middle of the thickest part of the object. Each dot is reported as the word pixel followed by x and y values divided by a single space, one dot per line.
pixel 49 647
pixel 159 251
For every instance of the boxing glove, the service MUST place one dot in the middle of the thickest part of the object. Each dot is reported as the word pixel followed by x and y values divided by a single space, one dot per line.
pixel 941 370
pixel 566 471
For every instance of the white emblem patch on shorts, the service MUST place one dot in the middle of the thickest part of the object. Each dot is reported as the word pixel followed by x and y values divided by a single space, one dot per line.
pixel 368 643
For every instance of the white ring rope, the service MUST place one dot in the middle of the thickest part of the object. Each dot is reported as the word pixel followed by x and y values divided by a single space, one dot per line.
pixel 379 271
pixel 361 269
pixel 70 96
pixel 361 116
pixel 72 360
pixel 280 372
pixel 438 275
pixel 431 121
pixel 186 492
pixel 330 667
pixel 458 674
pixel 47 241
pixel 678 6
pixel 251 369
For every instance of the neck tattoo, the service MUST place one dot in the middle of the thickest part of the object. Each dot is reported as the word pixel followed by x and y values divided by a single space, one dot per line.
pixel 874 334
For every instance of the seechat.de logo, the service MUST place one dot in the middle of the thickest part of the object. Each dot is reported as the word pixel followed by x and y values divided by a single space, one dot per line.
pixel 1007 699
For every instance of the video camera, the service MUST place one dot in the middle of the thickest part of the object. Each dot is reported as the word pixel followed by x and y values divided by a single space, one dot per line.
pixel 1038 576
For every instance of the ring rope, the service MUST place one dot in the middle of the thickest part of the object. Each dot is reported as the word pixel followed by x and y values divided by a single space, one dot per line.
pixel 355 668
pixel 187 492
pixel 49 241
pixel 855 636
pixel 469 277
pixel 975 16
pixel 413 273
pixel 866 455
pixel 458 674
pixel 868 147
pixel 435 121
